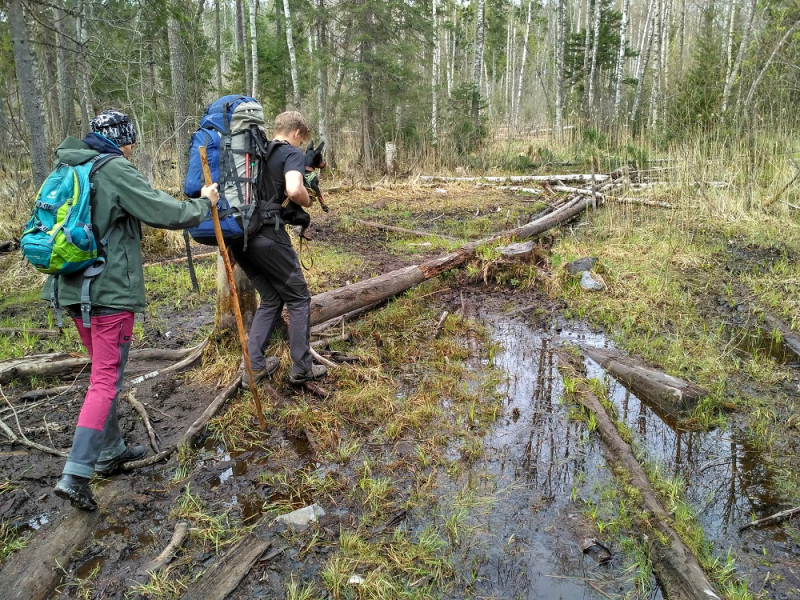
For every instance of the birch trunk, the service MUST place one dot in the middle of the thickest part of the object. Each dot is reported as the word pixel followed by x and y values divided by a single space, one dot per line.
pixel 657 66
pixel 593 65
pixel 253 49
pixel 31 95
pixel 522 64
pixel 476 67
pixel 241 30
pixel 561 30
pixel 757 81
pixel 587 53
pixel 292 55
pixel 730 80
pixel 434 77
pixel 682 38
pixel 322 73
pixel 728 50
pixel 507 81
pixel 642 71
pixel 620 74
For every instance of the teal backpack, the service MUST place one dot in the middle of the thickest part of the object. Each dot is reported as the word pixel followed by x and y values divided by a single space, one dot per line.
pixel 59 238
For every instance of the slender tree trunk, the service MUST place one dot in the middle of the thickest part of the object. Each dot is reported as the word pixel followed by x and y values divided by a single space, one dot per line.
pixel 218 43
pixel 757 81
pixel 86 101
pixel 593 64
pixel 747 27
pixel 365 54
pixel 682 38
pixel 507 80
pixel 561 38
pixel 435 75
pixel 642 70
pixel 31 96
pixel 241 35
pixel 522 64
pixel 728 49
pixel 655 88
pixel 177 63
pixel 587 53
pixel 254 48
pixel 292 55
pixel 476 68
pixel 322 72
pixel 65 70
pixel 451 53
pixel 620 73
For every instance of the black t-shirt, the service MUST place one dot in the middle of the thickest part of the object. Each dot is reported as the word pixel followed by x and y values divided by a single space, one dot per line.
pixel 283 159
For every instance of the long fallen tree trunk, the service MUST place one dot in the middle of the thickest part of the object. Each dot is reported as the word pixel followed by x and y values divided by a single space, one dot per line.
pixel 53 365
pixel 669 394
pixel 334 303
pixel 555 179
pixel 677 569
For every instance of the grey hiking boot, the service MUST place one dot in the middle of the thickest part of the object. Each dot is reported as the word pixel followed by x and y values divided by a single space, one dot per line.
pixel 272 365
pixel 316 372
pixel 111 466
pixel 77 490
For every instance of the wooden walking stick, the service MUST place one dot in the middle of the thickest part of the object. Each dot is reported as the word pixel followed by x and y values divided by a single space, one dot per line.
pixel 237 311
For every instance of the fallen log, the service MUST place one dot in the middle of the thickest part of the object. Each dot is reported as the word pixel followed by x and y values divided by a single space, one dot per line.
pixel 669 394
pixel 776 518
pixel 331 304
pixel 166 556
pixel 677 569
pixel 37 331
pixel 7 245
pixel 554 179
pixel 33 573
pixel 224 576
pixel 383 227
pixel 53 365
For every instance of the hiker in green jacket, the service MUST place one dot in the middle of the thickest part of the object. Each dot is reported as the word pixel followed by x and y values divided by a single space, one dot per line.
pixel 122 199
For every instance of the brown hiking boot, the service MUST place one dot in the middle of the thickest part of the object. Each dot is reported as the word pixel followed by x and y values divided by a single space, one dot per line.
pixel 316 372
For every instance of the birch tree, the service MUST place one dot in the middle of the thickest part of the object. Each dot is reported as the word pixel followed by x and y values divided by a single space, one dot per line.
pixel 476 66
pixel 436 63
pixel 30 93
pixel 522 64
pixel 322 72
pixel 253 49
pixel 730 79
pixel 561 40
pixel 593 63
pixel 620 72
pixel 292 55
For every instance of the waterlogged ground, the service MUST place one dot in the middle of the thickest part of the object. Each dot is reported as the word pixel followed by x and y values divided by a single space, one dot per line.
pixel 518 501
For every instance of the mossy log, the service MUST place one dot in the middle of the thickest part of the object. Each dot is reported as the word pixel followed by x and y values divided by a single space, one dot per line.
pixel 676 568
pixel 668 394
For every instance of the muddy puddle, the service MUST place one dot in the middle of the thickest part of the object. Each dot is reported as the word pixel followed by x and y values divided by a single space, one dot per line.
pixel 524 504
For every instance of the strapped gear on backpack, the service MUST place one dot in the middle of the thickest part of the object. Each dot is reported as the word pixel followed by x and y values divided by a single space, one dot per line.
pixel 59 237
pixel 232 130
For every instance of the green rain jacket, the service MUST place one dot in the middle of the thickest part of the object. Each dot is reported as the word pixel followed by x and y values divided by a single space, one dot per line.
pixel 122 199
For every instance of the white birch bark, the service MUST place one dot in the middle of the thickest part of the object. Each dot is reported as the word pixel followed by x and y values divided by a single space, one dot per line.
pixel 434 76
pixel 253 49
pixel 757 81
pixel 587 53
pixel 522 63
pixel 322 74
pixel 655 88
pixel 507 81
pixel 292 55
pixel 561 29
pixel 643 64
pixel 620 73
pixel 477 64
pixel 730 80
pixel 593 63
pixel 728 49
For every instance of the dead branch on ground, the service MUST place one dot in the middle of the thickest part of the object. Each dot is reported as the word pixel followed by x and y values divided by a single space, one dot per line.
pixel 139 408
pixel 168 554
pixel 776 518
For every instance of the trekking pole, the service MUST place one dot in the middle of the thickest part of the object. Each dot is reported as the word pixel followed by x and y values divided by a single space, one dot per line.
pixel 237 311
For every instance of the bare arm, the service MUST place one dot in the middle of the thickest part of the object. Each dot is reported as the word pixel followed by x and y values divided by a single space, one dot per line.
pixel 296 189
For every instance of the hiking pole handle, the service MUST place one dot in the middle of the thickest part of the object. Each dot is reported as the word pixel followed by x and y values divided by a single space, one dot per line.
pixel 237 311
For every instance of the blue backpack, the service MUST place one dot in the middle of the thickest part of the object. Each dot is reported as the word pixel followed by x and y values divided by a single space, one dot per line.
pixel 59 237
pixel 232 130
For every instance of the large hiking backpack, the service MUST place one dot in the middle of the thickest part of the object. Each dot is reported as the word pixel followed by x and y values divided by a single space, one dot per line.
pixel 59 238
pixel 232 132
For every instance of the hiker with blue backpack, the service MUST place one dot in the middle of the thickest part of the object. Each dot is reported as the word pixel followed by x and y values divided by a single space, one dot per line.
pixel 264 185
pixel 97 276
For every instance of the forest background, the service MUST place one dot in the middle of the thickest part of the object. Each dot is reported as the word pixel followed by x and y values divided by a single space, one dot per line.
pixel 474 84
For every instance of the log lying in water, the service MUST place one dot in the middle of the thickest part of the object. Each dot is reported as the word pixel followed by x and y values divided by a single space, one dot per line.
pixel 677 570
pixel 669 394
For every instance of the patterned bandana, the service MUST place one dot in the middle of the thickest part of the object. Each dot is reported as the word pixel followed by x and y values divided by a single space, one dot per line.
pixel 116 126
